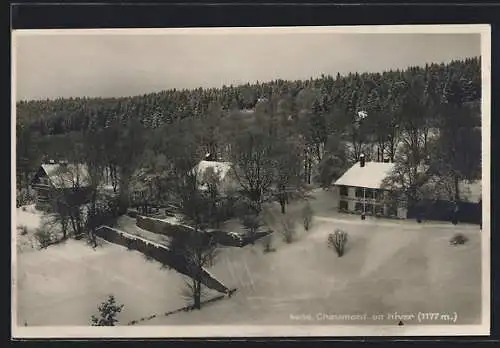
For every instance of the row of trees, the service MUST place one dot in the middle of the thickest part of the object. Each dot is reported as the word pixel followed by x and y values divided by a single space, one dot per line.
pixel 281 134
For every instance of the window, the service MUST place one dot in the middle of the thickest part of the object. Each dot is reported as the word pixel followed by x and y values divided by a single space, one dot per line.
pixel 343 205
pixel 369 209
pixel 358 207
pixel 379 209
pixel 392 210
pixel 359 192
pixel 370 194
pixel 344 191
pixel 42 195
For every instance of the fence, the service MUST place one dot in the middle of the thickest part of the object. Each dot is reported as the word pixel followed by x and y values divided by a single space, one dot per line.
pixel 443 211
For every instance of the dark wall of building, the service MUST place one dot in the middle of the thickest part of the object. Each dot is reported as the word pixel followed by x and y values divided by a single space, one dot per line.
pixel 444 211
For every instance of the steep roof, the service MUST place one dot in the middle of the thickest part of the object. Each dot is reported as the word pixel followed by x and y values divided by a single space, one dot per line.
pixel 221 169
pixel 67 175
pixel 369 176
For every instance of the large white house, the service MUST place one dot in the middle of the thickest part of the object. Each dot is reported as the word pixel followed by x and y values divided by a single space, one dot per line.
pixel 360 190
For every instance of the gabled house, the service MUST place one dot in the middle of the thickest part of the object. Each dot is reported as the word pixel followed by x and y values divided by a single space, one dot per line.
pixel 221 173
pixel 54 179
pixel 360 190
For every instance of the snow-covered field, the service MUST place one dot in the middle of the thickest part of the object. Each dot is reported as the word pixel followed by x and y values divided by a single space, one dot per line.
pixel 30 219
pixel 65 283
pixel 389 266
pixel 403 268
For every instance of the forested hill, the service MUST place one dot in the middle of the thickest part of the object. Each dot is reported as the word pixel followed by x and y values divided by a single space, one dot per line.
pixel 321 107
pixel 354 90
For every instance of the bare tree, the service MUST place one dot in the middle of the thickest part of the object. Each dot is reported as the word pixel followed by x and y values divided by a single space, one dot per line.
pixel 254 166
pixel 198 253
pixel 70 191
pixel 307 216
pixel 197 249
pixel 211 182
pixel 287 165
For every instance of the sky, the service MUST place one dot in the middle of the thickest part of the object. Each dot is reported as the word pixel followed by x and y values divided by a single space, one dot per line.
pixel 92 65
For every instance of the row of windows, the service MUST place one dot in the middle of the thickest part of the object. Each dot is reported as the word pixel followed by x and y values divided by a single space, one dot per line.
pixel 360 192
pixel 369 208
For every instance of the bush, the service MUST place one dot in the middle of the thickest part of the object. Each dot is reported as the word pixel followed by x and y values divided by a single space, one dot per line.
pixel 108 311
pixel 267 242
pixel 288 226
pixel 23 229
pixel 148 257
pixel 44 237
pixel 24 197
pixel 132 213
pixel 251 223
pixel 458 239
pixel 307 215
pixel 337 241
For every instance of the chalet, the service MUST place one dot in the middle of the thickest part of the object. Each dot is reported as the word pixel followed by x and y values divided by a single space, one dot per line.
pixel 53 179
pixel 360 190
pixel 208 170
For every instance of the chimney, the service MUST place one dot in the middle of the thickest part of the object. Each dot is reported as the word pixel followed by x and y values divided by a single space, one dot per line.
pixel 362 160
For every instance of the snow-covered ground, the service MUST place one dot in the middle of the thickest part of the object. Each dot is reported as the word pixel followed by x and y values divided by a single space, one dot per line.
pixel 389 266
pixel 64 284
pixel 401 268
pixel 27 219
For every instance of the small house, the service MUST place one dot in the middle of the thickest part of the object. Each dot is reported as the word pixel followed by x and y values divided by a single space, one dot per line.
pixel 220 173
pixel 360 190
pixel 53 180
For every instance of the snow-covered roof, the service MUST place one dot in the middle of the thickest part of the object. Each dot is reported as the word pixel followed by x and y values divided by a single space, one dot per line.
pixel 221 169
pixel 67 175
pixel 369 176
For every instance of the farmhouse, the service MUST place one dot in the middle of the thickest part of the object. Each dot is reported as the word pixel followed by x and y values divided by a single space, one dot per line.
pixel 360 190
pixel 53 180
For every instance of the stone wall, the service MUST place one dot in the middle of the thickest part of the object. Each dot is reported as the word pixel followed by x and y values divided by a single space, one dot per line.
pixel 163 227
pixel 157 252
